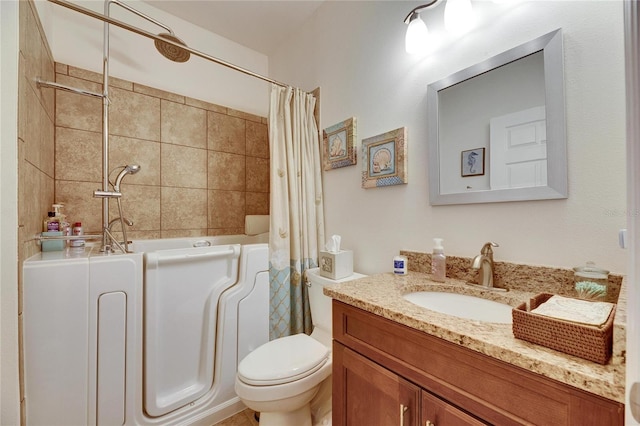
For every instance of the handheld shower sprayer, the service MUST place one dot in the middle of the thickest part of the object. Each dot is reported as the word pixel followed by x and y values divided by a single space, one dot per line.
pixel 127 170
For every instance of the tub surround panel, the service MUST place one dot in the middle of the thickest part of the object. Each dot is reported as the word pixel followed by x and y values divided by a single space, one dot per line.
pixel 214 160
pixel 382 295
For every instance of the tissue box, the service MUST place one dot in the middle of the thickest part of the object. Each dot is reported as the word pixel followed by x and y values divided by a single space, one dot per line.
pixel 336 265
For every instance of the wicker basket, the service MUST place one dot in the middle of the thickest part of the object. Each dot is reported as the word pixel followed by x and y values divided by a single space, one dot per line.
pixel 584 341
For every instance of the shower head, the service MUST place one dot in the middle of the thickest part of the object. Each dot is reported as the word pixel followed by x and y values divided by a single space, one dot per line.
pixel 127 170
pixel 171 52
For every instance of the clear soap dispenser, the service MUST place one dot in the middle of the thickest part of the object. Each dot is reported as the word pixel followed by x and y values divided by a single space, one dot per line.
pixel 438 261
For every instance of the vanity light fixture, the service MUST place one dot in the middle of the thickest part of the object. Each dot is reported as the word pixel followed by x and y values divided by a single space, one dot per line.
pixel 458 19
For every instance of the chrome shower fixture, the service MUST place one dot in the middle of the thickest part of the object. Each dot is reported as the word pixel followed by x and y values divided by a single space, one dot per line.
pixel 170 51
pixel 127 170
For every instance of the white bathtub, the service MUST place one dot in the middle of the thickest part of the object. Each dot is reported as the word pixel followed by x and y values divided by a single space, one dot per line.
pixel 141 246
pixel 161 342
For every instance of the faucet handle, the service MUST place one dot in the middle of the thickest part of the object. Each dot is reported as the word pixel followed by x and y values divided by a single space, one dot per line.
pixel 486 248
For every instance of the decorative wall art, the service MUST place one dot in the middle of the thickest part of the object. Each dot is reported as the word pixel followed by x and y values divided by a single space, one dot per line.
pixel 384 159
pixel 472 162
pixel 338 147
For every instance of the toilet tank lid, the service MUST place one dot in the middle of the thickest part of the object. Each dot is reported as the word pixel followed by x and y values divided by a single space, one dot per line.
pixel 283 360
pixel 314 274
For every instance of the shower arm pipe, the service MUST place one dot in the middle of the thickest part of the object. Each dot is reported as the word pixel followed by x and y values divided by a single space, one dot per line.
pixel 152 36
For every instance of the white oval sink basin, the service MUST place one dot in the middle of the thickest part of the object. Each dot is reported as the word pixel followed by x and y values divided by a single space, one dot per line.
pixel 462 306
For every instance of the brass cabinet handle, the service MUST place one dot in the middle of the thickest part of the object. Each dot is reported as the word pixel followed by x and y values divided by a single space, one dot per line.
pixel 403 408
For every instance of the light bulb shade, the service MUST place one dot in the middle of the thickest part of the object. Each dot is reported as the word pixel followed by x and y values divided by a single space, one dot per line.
pixel 416 39
pixel 458 16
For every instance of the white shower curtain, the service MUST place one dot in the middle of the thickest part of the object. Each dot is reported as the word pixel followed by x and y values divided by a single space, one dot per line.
pixel 296 207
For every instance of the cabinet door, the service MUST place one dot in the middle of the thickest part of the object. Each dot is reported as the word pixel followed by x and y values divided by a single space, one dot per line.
pixel 366 393
pixel 437 412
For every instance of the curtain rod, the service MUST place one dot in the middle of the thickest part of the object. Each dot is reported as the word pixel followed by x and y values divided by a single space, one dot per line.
pixel 152 36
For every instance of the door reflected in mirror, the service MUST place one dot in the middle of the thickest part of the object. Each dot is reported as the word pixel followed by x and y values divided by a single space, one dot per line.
pixel 511 108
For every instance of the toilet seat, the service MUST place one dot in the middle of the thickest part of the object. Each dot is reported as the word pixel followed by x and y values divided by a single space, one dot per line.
pixel 283 360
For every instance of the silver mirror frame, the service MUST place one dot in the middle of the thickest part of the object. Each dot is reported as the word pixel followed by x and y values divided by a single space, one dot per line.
pixel 551 46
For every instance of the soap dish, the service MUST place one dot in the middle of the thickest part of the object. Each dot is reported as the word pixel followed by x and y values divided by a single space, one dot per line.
pixel 584 341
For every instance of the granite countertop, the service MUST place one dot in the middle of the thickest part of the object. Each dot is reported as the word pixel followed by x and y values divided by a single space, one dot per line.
pixel 382 295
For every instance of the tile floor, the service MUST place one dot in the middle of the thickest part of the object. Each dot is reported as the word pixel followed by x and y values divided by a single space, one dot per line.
pixel 243 418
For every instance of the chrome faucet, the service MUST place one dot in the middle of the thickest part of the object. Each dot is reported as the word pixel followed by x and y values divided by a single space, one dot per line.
pixel 117 219
pixel 484 264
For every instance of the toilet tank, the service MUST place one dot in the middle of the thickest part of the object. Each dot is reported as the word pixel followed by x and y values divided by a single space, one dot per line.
pixel 319 303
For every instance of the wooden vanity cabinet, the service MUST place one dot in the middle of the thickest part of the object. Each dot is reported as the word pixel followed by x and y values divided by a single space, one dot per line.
pixel 385 372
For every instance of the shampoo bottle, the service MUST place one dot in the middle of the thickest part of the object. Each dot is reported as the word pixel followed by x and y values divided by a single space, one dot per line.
pixel 438 261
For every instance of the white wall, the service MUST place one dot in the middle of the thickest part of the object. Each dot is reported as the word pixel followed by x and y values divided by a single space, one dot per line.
pixel 76 39
pixel 10 400
pixel 355 52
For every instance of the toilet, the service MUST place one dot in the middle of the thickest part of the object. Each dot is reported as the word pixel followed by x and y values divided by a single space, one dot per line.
pixel 280 378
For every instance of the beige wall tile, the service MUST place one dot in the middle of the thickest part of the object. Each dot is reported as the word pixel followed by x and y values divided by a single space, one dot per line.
pixel 226 171
pixel 78 155
pixel 47 73
pixel 78 111
pixel 157 93
pixel 257 174
pixel 144 235
pixel 226 209
pixel 97 78
pixel 225 133
pixel 225 231
pixel 47 143
pixel 183 166
pixel 146 154
pixel 244 115
pixel 257 140
pixel 199 165
pixel 140 204
pixel 31 206
pixel 80 205
pixel 23 88
pixel 134 115
pixel 32 128
pixel 183 208
pixel 205 105
pixel 33 47
pixel 183 125
pixel 61 68
pixel 257 203
pixel 178 233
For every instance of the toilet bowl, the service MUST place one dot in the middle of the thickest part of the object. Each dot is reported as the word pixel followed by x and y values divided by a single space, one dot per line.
pixel 280 378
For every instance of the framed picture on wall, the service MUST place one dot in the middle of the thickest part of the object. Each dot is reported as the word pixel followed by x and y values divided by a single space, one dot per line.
pixel 338 144
pixel 384 159
pixel 472 162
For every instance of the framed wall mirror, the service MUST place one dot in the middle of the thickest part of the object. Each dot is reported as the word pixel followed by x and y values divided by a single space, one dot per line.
pixel 497 129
